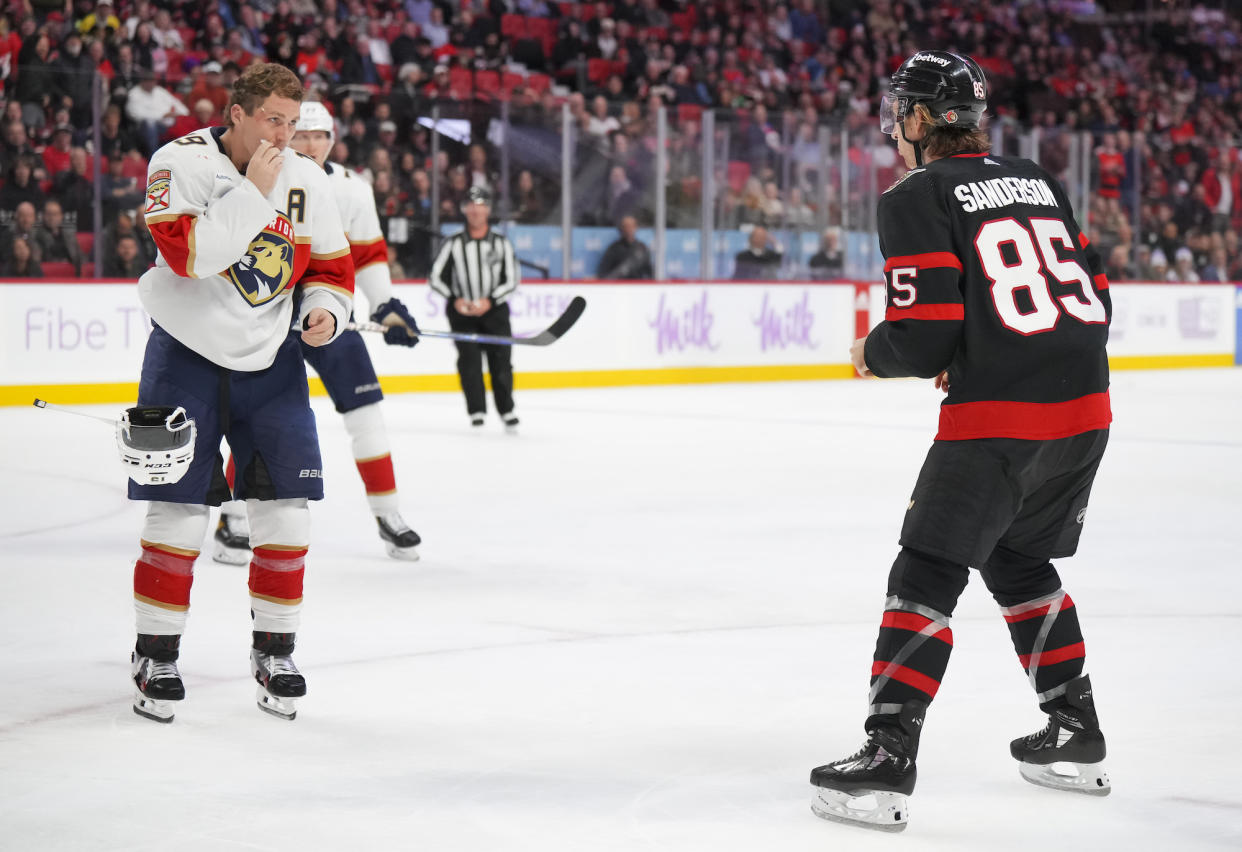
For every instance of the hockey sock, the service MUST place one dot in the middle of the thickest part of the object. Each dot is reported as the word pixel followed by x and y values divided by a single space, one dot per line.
pixel 279 531
pixel 1048 642
pixel 372 454
pixel 911 655
pixel 164 571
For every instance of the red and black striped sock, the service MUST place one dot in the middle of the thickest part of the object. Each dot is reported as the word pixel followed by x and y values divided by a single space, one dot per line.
pixel 911 655
pixel 1048 642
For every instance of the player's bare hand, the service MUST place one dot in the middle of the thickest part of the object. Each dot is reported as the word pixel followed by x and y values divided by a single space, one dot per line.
pixel 858 358
pixel 318 327
pixel 942 382
pixel 264 167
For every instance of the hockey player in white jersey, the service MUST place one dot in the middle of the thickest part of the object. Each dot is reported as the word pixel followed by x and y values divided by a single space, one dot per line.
pixel 247 235
pixel 345 367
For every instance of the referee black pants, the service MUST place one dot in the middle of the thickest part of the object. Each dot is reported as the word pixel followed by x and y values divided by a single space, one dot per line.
pixel 470 359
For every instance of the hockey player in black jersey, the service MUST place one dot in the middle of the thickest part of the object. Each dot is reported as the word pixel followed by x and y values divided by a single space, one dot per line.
pixel 993 291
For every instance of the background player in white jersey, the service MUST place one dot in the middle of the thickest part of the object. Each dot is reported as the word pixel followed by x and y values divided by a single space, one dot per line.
pixel 243 229
pixel 345 366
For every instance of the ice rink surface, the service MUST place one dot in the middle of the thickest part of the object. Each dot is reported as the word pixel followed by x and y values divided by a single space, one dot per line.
pixel 637 625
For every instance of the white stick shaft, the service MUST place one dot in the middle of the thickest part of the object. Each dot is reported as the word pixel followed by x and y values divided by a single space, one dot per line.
pixel 40 403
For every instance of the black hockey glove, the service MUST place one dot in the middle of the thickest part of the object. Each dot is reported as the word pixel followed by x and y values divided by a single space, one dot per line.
pixel 400 328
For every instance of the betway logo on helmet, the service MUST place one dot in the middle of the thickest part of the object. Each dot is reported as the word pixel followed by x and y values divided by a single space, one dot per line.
pixel 927 57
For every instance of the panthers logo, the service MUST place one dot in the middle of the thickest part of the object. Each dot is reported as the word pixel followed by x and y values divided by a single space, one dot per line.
pixel 266 270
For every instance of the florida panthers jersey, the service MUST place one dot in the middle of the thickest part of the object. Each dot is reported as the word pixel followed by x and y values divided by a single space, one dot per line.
pixel 230 259
pixel 989 277
pixel 356 202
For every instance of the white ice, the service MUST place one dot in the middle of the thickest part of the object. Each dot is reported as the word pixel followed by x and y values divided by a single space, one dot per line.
pixel 636 625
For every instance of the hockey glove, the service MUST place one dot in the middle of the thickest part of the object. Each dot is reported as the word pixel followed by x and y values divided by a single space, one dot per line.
pixel 400 328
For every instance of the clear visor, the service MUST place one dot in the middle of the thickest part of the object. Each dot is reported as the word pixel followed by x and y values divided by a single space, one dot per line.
pixel 889 105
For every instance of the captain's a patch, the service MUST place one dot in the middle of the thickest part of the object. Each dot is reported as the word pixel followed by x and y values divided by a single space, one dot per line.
pixel 159 191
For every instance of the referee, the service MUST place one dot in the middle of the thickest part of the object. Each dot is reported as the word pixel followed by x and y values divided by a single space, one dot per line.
pixel 476 272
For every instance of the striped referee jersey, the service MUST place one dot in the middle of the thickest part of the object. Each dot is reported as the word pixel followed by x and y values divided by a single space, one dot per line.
pixel 475 269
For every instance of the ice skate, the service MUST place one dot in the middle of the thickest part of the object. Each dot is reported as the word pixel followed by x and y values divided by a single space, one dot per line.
pixel 158 682
pixel 232 539
pixel 511 422
pixel 477 419
pixel 279 680
pixel 1068 753
pixel 399 539
pixel 869 788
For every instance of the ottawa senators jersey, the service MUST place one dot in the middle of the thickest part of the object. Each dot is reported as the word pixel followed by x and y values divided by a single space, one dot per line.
pixel 230 259
pixel 355 201
pixel 989 277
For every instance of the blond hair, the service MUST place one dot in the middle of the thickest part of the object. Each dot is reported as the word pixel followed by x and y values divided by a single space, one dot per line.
pixel 259 82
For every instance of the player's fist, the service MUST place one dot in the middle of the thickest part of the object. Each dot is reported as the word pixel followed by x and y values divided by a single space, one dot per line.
pixel 264 166
pixel 318 327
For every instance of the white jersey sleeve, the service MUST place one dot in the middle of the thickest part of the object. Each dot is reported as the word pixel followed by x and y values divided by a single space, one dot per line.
pixel 367 246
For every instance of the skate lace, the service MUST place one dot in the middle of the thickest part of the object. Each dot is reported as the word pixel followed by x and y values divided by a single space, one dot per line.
pixel 395 523
pixel 1040 734
pixel 160 670
pixel 277 666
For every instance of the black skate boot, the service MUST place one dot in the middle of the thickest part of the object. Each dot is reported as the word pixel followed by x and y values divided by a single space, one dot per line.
pixel 232 540
pixel 399 539
pixel 155 674
pixel 1067 753
pixel 279 680
pixel 511 422
pixel 869 787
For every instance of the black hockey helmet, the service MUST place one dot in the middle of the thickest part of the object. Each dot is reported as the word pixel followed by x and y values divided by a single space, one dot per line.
pixel 951 86
pixel 478 195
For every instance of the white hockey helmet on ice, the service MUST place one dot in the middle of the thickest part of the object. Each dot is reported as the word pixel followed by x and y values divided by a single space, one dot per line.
pixel 315 116
pixel 156 443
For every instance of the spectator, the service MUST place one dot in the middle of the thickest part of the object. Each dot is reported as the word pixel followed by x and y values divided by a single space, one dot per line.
pixel 119 191
pixel 621 199
pixel 203 115
pixel 628 258
pixel 1217 270
pixel 75 190
pixel 56 154
pixel 55 239
pixel 20 188
pixel 76 72
pixel 528 206
pixel 828 263
pixel 154 109
pixel 22 227
pixel 21 262
pixel 1183 271
pixel 115 138
pixel 36 82
pixel 101 21
pixel 15 145
pixel 758 261
pixel 208 86
pixel 124 261
pixel 1159 268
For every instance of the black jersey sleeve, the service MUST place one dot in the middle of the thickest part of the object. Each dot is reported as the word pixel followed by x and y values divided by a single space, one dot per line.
pixel 922 275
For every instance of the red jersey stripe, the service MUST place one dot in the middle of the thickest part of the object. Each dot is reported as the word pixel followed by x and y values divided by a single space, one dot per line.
pixel 1101 281
pixel 915 623
pixel 1058 655
pixel 927 260
pixel 175 240
pixel 926 312
pixel 1082 240
pixel 365 254
pixel 907 676
pixel 1034 421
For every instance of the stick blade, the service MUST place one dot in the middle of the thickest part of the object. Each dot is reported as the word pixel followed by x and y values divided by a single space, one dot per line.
pixel 563 323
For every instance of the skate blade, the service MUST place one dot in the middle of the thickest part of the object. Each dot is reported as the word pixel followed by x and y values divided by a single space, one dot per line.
pixel 876 810
pixel 1087 778
pixel 408 554
pixel 230 555
pixel 281 708
pixel 154 709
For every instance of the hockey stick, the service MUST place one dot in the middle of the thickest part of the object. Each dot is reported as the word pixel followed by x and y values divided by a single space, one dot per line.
pixel 549 335
pixel 39 403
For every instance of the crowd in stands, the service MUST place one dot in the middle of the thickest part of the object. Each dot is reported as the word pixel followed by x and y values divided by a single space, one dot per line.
pixel 1157 91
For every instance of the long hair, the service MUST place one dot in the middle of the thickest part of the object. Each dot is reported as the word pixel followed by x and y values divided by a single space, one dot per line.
pixel 944 139
pixel 259 82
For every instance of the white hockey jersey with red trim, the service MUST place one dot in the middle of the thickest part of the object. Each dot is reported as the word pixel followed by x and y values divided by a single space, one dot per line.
pixel 230 259
pixel 356 202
